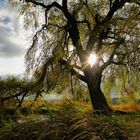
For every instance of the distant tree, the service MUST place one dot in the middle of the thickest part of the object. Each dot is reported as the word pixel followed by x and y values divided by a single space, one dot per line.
pixel 67 32
pixel 15 89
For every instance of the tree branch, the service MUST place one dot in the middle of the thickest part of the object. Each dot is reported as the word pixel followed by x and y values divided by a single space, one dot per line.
pixel 21 101
pixel 118 43
pixel 44 68
pixel 12 96
pixel 118 63
pixel 72 70
pixel 64 4
pixel 73 29
pixel 116 6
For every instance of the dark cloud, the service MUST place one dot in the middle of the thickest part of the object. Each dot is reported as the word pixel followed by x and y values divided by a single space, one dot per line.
pixel 9 47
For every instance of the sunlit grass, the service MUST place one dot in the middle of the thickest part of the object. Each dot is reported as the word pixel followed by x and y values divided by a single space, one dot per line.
pixel 127 107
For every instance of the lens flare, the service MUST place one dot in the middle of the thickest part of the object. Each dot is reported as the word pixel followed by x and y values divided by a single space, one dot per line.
pixel 92 59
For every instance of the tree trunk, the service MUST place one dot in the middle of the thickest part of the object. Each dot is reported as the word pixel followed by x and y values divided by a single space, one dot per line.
pixel 97 97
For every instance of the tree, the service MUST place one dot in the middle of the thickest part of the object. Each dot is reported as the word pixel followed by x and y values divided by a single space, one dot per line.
pixel 66 33
pixel 16 90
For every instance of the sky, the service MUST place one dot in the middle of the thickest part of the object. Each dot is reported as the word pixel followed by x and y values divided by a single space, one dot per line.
pixel 12 41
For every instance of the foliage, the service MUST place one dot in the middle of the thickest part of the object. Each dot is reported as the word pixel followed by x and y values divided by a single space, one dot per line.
pixel 125 84
pixel 52 42
pixel 70 123
pixel 15 90
pixel 45 110
pixel 66 32
pixel 25 111
pixel 7 115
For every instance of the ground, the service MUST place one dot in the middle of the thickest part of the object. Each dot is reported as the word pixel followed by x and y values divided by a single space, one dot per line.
pixel 72 121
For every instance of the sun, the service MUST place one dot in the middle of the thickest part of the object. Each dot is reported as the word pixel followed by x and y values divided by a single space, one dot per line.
pixel 92 59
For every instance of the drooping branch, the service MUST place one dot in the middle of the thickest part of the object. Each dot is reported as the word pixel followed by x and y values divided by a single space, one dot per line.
pixel 44 69
pixel 118 4
pixel 98 30
pixel 110 60
pixel 72 70
pixel 30 54
pixel 72 24
pixel 22 99
pixel 13 96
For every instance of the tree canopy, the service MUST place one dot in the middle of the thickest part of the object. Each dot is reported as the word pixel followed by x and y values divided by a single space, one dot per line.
pixel 66 32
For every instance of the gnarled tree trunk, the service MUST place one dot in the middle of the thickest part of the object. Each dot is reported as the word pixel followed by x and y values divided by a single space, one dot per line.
pixel 97 97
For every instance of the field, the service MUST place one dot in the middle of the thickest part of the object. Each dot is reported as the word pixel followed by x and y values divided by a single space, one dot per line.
pixel 70 120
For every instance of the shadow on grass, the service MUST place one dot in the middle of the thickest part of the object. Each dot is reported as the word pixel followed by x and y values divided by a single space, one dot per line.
pixel 75 121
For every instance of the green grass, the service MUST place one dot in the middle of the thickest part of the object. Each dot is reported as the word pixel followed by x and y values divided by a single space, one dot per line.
pixel 74 121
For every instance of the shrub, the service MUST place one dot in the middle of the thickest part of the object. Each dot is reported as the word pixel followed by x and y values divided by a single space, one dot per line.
pixel 25 111
pixel 6 115
pixel 45 110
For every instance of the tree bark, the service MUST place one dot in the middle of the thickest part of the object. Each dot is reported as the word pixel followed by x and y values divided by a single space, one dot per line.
pixel 97 97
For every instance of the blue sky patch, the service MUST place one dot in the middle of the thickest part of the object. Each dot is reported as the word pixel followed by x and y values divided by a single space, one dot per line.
pixel 1 2
pixel 5 20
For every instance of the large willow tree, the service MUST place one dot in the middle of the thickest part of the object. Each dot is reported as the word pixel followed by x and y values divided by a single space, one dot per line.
pixel 67 32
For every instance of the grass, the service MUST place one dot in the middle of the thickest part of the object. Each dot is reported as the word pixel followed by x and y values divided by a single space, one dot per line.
pixel 127 107
pixel 73 121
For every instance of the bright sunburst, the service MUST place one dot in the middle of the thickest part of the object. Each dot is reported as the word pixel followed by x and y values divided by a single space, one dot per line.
pixel 92 59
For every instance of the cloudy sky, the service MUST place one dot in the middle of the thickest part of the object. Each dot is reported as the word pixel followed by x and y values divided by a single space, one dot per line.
pixel 12 41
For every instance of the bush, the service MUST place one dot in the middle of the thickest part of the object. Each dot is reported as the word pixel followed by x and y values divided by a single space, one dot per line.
pixel 25 111
pixel 6 115
pixel 45 110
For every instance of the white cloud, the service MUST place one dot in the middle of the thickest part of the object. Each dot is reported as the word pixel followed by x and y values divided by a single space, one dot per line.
pixel 12 41
pixel 10 66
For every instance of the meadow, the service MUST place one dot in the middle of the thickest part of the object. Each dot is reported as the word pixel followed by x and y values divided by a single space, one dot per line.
pixel 69 120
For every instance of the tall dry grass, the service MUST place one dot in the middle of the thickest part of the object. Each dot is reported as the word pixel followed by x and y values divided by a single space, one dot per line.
pixel 75 121
pixel 127 107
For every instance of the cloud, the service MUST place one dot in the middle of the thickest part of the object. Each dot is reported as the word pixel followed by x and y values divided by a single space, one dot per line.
pixel 11 33
pixel 10 66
